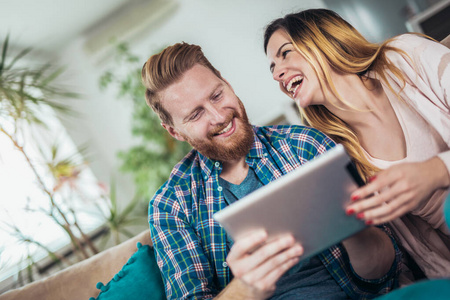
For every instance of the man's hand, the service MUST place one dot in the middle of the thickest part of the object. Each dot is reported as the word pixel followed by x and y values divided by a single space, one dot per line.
pixel 257 265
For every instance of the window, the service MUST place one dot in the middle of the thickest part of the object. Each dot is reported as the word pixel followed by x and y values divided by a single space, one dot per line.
pixel 25 207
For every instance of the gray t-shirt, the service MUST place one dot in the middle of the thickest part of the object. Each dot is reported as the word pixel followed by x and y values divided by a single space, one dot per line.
pixel 309 279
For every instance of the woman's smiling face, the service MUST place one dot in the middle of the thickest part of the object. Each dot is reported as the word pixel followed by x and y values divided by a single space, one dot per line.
pixel 295 75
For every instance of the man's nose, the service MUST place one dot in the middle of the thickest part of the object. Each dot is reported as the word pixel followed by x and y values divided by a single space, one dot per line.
pixel 217 115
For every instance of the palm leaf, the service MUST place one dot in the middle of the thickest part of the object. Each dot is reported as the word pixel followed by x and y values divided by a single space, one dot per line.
pixel 18 57
pixel 4 51
pixel 51 77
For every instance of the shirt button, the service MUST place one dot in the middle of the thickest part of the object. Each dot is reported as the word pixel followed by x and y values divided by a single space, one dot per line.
pixel 206 177
pixel 224 265
pixel 217 164
pixel 219 188
pixel 265 154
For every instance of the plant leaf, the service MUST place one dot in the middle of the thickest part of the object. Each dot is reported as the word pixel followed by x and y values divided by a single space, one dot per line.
pixel 17 57
pixel 52 76
pixel 4 51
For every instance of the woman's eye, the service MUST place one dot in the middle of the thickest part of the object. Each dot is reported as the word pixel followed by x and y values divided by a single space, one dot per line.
pixel 285 52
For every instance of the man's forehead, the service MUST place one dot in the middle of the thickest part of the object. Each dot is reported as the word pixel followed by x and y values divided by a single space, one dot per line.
pixel 196 80
pixel 196 85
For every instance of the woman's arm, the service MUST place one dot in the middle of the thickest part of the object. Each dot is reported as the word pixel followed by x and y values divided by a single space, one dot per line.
pixel 405 187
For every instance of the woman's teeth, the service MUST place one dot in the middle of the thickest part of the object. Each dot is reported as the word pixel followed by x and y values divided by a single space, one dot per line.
pixel 226 129
pixel 293 85
pixel 295 89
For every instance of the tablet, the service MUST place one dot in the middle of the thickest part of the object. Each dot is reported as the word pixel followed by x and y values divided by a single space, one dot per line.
pixel 308 202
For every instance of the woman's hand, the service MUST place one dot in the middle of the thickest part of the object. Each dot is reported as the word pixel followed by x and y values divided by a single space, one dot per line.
pixel 257 265
pixel 398 190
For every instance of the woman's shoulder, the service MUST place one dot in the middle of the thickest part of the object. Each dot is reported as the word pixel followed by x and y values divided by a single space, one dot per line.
pixel 419 49
pixel 409 41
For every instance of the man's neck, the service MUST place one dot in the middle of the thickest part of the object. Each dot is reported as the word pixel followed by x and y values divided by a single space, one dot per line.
pixel 234 171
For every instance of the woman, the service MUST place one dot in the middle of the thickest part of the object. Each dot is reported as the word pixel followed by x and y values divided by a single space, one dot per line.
pixel 389 105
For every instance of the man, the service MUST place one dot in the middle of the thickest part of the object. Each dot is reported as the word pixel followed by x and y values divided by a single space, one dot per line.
pixel 231 159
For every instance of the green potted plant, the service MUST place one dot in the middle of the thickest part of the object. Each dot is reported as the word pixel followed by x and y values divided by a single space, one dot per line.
pixel 151 159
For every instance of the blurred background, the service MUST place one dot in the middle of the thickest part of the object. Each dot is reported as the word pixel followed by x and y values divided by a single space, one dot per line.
pixel 80 153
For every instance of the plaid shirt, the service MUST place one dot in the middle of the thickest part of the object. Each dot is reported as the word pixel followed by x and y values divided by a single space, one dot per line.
pixel 191 246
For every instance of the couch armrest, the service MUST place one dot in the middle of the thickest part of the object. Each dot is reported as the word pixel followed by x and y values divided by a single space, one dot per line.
pixel 79 280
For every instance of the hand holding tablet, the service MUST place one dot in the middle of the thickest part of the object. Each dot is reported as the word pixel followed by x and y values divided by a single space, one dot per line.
pixel 308 203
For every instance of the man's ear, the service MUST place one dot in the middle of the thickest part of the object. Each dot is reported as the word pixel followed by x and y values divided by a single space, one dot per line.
pixel 173 132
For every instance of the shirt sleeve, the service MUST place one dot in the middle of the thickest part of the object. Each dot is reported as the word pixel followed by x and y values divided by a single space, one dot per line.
pixel 185 269
pixel 337 262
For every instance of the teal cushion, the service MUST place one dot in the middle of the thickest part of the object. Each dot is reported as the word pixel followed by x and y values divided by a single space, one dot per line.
pixel 447 210
pixel 436 289
pixel 139 278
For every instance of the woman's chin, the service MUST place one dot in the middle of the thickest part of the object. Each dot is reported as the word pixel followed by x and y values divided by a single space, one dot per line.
pixel 300 103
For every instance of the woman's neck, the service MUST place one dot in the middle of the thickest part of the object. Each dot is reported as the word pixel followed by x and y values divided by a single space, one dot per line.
pixel 370 115
pixel 367 103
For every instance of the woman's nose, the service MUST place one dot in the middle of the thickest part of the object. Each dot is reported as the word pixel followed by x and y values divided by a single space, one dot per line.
pixel 278 73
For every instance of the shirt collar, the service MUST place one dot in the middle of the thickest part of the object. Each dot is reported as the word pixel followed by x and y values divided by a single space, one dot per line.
pixel 207 165
pixel 258 149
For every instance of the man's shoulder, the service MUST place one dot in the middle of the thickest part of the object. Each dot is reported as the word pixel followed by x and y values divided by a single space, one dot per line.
pixel 292 132
pixel 184 168
pixel 182 172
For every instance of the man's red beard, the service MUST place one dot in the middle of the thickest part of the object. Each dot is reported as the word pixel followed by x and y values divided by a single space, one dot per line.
pixel 236 148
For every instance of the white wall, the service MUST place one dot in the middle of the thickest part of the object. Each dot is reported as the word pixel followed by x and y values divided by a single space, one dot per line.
pixel 230 33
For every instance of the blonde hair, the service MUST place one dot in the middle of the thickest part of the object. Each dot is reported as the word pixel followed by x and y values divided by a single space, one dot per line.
pixel 322 36
pixel 167 67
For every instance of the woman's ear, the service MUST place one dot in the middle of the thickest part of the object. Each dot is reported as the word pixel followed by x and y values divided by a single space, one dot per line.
pixel 173 132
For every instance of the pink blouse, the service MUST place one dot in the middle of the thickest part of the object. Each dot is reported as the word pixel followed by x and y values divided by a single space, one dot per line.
pixel 424 115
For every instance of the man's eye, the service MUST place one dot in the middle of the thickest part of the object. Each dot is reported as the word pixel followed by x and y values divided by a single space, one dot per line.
pixel 285 52
pixel 217 96
pixel 195 116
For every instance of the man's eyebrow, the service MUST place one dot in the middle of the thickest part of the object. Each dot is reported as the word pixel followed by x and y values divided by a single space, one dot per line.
pixel 214 90
pixel 210 96
pixel 272 65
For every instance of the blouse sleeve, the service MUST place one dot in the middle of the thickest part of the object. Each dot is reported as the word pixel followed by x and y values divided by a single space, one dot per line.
pixel 426 67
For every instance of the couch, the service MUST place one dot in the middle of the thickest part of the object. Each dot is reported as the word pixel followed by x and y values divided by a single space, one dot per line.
pixel 79 281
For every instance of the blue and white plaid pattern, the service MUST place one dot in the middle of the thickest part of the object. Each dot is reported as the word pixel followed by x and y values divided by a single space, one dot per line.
pixel 191 246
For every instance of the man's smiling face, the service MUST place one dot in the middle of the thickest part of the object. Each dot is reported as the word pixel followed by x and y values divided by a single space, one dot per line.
pixel 208 115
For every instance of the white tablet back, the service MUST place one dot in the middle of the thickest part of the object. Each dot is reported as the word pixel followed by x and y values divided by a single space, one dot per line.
pixel 309 202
